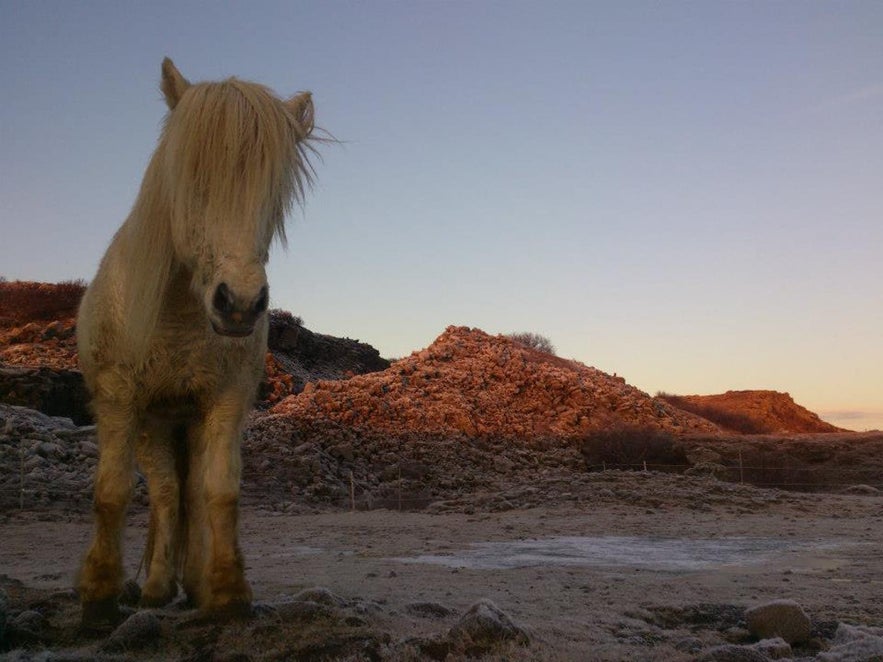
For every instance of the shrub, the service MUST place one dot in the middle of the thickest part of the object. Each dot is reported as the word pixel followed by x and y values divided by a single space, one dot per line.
pixel 533 341
pixel 22 301
pixel 630 447
pixel 284 318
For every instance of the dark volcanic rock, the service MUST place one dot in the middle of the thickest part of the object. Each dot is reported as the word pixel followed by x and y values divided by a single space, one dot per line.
pixel 309 356
pixel 53 392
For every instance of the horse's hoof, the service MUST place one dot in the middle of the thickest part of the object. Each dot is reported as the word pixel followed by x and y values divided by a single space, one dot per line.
pixel 153 599
pixel 101 615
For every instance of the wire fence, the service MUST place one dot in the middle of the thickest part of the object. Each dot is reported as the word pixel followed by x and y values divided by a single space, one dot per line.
pixel 345 492
pixel 763 475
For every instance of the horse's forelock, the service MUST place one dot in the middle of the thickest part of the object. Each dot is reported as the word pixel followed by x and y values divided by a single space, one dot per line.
pixel 234 154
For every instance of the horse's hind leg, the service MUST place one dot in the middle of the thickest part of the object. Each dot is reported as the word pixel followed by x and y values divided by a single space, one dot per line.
pixel 158 452
pixel 101 576
pixel 214 573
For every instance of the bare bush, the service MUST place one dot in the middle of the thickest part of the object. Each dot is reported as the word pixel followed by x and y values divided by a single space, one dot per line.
pixel 630 448
pixel 283 317
pixel 533 341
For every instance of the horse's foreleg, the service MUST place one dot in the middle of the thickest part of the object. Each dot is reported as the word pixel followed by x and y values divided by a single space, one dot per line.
pixel 196 527
pixel 101 576
pixel 221 584
pixel 157 455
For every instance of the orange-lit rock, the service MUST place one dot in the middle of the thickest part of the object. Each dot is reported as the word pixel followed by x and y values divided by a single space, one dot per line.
pixel 753 412
pixel 468 382
pixel 45 344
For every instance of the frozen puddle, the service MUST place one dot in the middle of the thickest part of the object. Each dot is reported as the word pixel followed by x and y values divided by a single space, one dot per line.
pixel 656 553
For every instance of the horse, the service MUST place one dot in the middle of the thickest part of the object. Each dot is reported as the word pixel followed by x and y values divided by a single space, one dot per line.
pixel 172 334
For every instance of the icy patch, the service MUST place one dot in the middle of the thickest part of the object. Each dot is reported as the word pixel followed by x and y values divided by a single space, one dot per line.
pixel 675 554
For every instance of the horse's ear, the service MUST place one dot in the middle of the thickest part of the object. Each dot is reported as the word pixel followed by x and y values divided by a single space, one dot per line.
pixel 173 83
pixel 301 106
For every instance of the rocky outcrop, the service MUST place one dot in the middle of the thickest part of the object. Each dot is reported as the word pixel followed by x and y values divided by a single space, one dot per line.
pixel 468 382
pixel 308 356
pixel 753 412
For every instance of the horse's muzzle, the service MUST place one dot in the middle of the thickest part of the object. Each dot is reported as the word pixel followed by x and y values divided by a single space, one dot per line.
pixel 234 317
pixel 238 332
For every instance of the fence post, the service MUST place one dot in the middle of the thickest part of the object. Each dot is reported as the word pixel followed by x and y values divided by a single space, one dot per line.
pixel 645 466
pixel 21 475
pixel 352 492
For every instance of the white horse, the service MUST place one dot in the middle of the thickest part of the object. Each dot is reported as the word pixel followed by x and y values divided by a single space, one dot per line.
pixel 172 335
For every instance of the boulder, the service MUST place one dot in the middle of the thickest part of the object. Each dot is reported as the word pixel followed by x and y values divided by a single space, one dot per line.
pixel 140 630
pixel 483 627
pixel 780 618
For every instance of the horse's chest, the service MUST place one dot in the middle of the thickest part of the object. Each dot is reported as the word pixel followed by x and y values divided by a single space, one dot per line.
pixel 192 366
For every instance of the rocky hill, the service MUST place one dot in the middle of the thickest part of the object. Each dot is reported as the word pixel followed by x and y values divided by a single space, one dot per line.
pixel 753 412
pixel 468 382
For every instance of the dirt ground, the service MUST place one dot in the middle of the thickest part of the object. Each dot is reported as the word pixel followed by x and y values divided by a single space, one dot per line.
pixel 637 566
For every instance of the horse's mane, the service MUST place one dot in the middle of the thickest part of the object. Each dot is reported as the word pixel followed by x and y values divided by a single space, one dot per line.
pixel 231 156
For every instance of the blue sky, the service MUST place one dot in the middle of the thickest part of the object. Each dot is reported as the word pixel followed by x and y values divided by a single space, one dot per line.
pixel 685 193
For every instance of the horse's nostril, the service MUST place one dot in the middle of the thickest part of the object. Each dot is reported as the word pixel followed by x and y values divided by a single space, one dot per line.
pixel 262 302
pixel 223 299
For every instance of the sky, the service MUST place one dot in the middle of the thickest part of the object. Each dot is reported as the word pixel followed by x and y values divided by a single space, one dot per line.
pixel 685 193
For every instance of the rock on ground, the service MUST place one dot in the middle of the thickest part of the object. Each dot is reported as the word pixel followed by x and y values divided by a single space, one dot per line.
pixel 775 649
pixel 732 653
pixel 854 644
pixel 779 618
pixel 140 630
pixel 484 626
